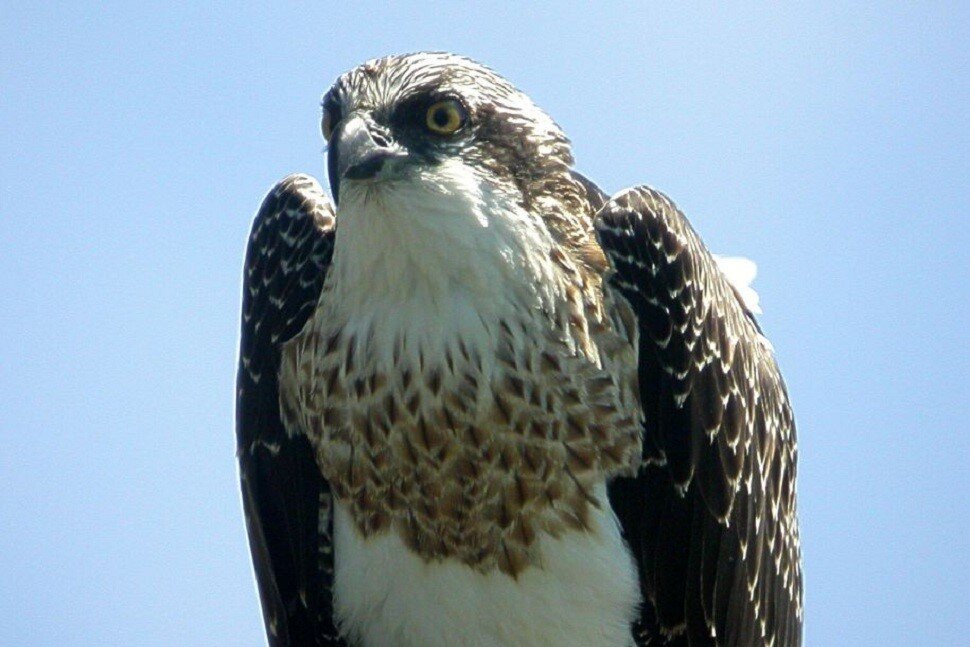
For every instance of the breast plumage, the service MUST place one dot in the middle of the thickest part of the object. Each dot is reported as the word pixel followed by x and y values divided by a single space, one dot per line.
pixel 470 446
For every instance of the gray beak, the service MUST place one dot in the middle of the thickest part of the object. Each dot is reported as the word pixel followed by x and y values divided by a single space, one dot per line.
pixel 356 153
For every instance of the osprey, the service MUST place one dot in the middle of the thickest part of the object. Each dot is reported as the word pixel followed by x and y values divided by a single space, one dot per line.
pixel 480 402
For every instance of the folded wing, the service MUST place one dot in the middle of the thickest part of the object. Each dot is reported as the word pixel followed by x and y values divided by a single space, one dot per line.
pixel 711 517
pixel 287 502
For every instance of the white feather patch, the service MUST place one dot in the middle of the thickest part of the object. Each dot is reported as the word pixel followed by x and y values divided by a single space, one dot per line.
pixel 585 593
pixel 741 272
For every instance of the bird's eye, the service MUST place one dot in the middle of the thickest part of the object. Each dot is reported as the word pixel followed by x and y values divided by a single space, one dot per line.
pixel 445 117
pixel 331 117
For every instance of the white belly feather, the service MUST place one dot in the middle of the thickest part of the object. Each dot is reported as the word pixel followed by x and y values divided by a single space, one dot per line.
pixel 585 594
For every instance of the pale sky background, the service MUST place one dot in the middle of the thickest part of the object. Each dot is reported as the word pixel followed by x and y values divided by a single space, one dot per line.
pixel 829 144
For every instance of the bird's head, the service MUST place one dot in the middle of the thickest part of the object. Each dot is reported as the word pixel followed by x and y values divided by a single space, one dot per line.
pixel 426 122
pixel 447 176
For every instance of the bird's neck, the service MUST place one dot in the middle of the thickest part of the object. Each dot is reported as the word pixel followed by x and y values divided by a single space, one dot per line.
pixel 451 260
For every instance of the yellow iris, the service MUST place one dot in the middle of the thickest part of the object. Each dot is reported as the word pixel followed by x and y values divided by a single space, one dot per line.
pixel 445 117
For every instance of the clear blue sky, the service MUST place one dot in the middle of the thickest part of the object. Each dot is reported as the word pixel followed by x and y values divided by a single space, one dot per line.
pixel 829 144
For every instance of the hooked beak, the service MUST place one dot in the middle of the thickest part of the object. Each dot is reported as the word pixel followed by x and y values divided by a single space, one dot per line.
pixel 357 153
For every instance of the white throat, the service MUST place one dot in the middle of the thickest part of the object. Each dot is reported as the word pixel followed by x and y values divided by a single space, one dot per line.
pixel 435 254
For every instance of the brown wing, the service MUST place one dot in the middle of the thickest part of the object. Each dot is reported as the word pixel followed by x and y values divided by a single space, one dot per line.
pixel 287 502
pixel 711 517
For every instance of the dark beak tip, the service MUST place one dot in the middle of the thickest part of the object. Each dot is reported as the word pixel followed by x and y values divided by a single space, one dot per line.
pixel 368 167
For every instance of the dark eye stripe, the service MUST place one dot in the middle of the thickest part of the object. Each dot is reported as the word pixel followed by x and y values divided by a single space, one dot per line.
pixel 412 112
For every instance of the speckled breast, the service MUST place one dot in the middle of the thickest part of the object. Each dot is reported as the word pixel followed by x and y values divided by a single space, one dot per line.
pixel 469 451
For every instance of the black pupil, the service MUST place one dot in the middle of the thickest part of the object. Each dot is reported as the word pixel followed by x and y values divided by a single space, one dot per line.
pixel 441 117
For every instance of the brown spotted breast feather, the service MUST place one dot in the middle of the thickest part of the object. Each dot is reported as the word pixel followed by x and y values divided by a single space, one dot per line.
pixel 469 452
